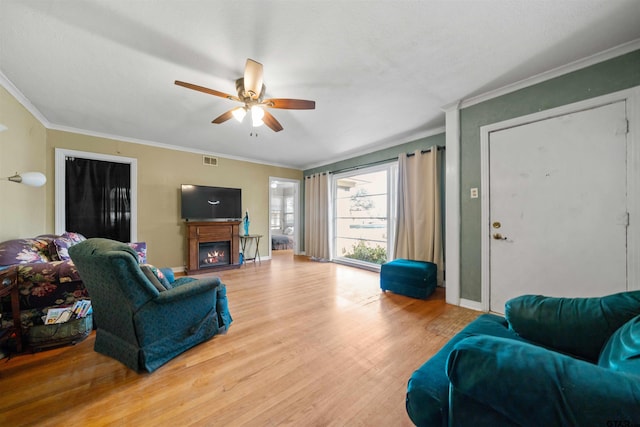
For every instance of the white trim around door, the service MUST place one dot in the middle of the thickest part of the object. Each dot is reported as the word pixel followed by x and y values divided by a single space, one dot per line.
pixel 60 215
pixel 296 212
pixel 632 99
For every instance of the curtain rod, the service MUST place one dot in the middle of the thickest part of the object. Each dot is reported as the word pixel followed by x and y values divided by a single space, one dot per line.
pixel 379 162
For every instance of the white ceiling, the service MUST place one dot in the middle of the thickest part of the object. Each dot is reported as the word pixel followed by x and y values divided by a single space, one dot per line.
pixel 379 71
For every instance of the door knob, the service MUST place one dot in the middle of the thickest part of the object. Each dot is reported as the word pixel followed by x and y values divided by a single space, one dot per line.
pixel 498 236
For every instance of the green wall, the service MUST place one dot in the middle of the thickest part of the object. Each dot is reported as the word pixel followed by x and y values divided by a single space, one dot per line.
pixel 616 74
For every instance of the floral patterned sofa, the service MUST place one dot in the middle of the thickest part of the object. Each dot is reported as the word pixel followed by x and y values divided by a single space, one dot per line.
pixel 47 276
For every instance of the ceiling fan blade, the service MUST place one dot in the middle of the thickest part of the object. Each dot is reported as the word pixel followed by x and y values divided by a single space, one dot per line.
pixel 253 79
pixel 290 104
pixel 207 90
pixel 271 121
pixel 223 117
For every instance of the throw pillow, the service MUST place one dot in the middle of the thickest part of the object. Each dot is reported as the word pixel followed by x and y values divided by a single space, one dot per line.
pixel 141 249
pixel 61 245
pixel 159 275
pixel 24 251
pixel 622 351
pixel 152 278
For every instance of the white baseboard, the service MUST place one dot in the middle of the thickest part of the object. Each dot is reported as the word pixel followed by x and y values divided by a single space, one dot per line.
pixel 473 305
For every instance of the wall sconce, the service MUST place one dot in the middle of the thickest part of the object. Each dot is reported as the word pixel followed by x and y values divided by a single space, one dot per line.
pixel 33 179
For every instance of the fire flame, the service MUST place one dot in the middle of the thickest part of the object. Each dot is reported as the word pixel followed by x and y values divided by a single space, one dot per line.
pixel 213 257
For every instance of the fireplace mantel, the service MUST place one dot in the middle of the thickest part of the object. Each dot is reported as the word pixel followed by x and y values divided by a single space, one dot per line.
pixel 209 232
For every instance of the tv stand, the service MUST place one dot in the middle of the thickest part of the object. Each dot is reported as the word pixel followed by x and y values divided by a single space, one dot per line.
pixel 203 232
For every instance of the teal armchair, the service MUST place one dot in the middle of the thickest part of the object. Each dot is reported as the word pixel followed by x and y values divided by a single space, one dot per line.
pixel 548 362
pixel 140 322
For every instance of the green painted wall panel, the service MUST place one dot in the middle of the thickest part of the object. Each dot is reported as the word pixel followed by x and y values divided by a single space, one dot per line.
pixel 610 76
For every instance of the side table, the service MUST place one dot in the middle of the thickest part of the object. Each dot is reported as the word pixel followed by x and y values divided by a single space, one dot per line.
pixel 9 286
pixel 255 238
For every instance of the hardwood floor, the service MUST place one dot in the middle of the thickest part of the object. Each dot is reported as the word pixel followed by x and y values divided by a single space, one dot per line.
pixel 312 344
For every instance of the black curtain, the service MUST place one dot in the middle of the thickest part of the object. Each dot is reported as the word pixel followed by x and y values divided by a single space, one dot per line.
pixel 98 198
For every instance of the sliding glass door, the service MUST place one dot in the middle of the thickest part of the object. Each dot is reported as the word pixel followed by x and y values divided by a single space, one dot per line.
pixel 364 215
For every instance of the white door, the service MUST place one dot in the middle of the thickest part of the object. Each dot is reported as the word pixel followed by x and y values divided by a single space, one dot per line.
pixel 558 206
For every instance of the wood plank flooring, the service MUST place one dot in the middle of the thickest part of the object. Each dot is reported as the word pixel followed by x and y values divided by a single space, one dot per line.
pixel 312 344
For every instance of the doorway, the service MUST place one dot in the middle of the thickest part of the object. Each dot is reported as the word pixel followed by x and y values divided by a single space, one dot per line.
pixel 112 210
pixel 556 204
pixel 284 218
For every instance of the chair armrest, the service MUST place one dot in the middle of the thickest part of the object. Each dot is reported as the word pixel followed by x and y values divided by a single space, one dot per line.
pixel 188 290
pixel 533 386
pixel 578 326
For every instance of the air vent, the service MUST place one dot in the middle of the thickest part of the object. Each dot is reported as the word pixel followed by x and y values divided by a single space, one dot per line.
pixel 210 161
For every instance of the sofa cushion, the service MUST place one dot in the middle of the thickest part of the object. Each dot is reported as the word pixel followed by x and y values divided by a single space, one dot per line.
pixel 533 386
pixel 60 245
pixel 622 351
pixel 24 251
pixel 48 273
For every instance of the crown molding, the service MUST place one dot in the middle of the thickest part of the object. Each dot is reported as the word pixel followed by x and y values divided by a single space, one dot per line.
pixel 547 75
pixel 162 145
pixel 19 96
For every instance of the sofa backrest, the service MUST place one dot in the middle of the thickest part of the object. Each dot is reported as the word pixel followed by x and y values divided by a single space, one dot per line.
pixel 578 326
pixel 111 273
pixel 25 251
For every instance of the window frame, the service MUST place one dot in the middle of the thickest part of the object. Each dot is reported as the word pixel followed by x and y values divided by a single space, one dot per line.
pixel 392 187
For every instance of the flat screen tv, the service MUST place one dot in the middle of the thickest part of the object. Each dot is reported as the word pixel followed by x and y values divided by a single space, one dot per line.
pixel 203 203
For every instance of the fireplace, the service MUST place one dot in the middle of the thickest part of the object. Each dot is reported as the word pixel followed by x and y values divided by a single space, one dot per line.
pixel 213 245
pixel 214 254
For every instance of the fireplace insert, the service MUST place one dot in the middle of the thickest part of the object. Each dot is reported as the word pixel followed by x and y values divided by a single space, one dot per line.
pixel 214 254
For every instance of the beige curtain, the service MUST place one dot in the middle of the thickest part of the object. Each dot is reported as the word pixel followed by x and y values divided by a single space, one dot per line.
pixel 419 217
pixel 316 216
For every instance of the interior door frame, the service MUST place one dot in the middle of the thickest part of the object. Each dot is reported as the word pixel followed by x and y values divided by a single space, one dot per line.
pixel 632 99
pixel 296 212
pixel 60 167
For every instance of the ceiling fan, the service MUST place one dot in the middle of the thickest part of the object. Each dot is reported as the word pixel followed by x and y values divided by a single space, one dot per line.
pixel 251 93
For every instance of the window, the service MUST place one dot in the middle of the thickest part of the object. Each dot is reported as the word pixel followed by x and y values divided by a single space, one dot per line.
pixel 288 211
pixel 276 212
pixel 282 207
pixel 364 215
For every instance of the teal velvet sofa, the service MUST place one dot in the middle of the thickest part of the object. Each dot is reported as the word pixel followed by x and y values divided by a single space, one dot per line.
pixel 548 362
pixel 143 321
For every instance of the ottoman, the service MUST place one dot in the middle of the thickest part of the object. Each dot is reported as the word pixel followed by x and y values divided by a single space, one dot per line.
pixel 416 279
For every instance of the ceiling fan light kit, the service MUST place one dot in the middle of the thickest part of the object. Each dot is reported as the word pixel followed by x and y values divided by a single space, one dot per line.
pixel 239 113
pixel 251 91
pixel 257 115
